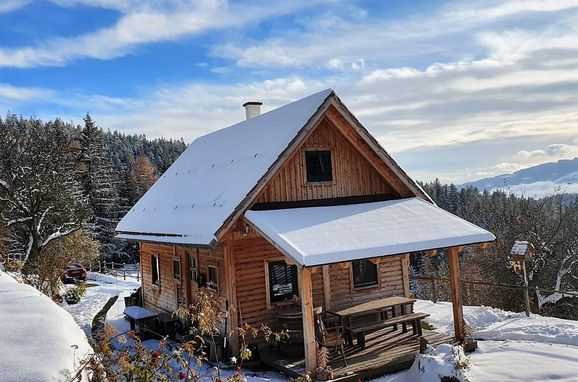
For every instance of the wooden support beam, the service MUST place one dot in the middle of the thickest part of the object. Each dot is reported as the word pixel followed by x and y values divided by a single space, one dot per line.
pixel 310 345
pixel 482 245
pixel 432 253
pixel 405 274
pixel 231 290
pixel 326 287
pixel 454 265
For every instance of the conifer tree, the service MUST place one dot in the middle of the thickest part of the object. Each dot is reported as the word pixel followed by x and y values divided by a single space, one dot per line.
pixel 100 183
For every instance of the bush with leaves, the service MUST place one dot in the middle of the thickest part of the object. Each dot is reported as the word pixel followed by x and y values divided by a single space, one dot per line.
pixel 124 358
pixel 78 247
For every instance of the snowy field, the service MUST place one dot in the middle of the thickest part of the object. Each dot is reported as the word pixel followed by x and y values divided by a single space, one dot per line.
pixel 511 346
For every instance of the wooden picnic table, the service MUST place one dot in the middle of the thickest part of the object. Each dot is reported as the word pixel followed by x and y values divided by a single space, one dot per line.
pixel 381 306
pixel 378 305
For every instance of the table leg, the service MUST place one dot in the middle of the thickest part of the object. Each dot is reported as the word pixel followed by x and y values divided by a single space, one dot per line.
pixel 393 313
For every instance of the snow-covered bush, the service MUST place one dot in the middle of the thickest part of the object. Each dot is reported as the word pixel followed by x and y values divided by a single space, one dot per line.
pixel 445 363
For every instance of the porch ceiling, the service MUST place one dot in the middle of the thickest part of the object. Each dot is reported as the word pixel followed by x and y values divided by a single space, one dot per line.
pixel 323 235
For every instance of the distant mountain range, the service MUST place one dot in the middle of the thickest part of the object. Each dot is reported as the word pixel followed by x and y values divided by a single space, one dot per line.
pixel 535 181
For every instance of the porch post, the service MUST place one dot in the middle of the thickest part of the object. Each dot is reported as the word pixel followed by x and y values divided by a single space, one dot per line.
pixel 326 287
pixel 231 284
pixel 454 265
pixel 405 274
pixel 305 289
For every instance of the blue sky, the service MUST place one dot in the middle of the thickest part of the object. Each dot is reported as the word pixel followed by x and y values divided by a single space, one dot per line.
pixel 455 90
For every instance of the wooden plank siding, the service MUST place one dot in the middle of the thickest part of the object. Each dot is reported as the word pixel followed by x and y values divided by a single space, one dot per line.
pixel 353 175
pixel 171 293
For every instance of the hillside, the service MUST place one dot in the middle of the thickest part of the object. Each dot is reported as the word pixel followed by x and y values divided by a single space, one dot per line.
pixel 537 180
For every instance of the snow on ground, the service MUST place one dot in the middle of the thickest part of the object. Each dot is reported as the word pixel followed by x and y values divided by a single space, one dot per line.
pixel 496 324
pixel 37 337
pixel 116 318
pixel 523 361
pixel 97 296
pixel 511 347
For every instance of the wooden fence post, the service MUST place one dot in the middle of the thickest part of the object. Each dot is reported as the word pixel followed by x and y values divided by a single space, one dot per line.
pixel 526 293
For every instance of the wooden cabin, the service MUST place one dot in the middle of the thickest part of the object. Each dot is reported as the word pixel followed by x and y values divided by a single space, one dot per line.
pixel 293 209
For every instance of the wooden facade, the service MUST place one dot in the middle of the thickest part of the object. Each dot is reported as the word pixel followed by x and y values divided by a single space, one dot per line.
pixel 359 170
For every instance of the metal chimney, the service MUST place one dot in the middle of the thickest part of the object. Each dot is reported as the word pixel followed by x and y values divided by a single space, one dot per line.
pixel 252 109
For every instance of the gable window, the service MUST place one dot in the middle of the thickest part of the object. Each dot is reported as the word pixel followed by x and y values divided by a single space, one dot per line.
pixel 176 269
pixel 213 281
pixel 364 273
pixel 318 165
pixel 155 269
pixel 282 281
pixel 193 268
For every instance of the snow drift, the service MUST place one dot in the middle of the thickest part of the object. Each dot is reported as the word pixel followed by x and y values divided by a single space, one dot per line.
pixel 39 340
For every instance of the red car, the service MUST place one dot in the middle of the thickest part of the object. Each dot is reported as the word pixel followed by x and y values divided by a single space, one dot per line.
pixel 74 272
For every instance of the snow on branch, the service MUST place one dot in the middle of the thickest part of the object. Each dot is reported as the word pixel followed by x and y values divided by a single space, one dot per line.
pixel 59 233
pixel 16 221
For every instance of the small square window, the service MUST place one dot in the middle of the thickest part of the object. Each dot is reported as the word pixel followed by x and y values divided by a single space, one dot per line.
pixel 318 165
pixel 364 274
pixel 213 281
pixel 176 269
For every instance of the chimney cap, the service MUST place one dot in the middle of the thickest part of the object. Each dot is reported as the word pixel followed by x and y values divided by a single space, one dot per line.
pixel 256 103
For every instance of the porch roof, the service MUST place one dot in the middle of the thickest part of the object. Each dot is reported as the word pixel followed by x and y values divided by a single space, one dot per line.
pixel 323 235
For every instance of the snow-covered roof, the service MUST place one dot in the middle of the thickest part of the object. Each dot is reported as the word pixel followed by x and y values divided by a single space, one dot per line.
pixel 323 235
pixel 520 248
pixel 37 336
pixel 204 186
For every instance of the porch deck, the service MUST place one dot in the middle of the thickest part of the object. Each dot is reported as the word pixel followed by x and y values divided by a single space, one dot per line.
pixel 386 352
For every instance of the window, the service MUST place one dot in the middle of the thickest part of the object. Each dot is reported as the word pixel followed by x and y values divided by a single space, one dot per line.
pixel 318 166
pixel 282 281
pixel 193 269
pixel 176 269
pixel 364 273
pixel 155 269
pixel 213 281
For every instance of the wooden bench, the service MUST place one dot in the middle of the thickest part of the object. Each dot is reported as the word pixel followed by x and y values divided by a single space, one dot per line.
pixel 413 318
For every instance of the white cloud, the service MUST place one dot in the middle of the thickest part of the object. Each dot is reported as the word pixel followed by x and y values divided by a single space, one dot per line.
pixel 12 5
pixel 23 93
pixel 142 23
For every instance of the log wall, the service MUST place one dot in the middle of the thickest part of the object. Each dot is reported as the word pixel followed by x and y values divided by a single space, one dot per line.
pixel 251 254
pixel 171 293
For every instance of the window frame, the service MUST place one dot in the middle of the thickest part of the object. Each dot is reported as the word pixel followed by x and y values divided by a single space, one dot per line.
pixel 269 286
pixel 177 276
pixel 155 270
pixel 209 282
pixel 194 270
pixel 366 284
pixel 307 153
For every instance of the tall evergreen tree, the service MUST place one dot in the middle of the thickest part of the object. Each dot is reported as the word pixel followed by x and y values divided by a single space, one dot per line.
pixel 100 184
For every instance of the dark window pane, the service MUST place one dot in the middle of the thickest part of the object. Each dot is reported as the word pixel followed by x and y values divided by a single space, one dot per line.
pixel 176 269
pixel 282 281
pixel 364 273
pixel 318 166
pixel 155 269
pixel 213 281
